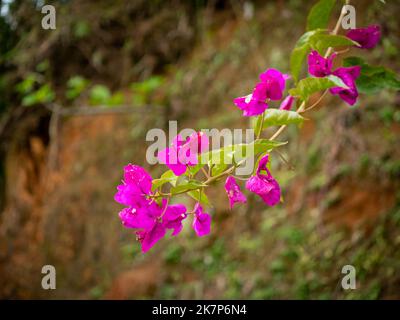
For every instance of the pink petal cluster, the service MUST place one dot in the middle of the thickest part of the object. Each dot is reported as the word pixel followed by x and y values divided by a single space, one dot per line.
pixel 264 185
pixel 348 76
pixel 184 153
pixel 142 213
pixel 367 38
pixel 233 192
pixel 319 66
pixel 287 103
pixel 271 87
pixel 201 221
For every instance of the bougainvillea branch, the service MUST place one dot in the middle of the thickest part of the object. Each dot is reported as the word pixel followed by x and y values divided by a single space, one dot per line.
pixel 150 210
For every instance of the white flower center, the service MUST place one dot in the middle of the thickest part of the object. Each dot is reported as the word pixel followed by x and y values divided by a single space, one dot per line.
pixel 248 98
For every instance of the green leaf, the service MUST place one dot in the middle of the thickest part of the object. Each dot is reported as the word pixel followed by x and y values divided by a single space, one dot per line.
pixel 99 94
pixel 149 85
pixel 116 99
pixel 276 117
pixel 264 145
pixel 75 86
pixel 373 78
pixel 300 52
pixel 306 87
pixel 221 158
pixel 43 95
pixel 319 14
pixel 81 29
pixel 29 100
pixel 43 66
pixel 258 123
pixel 199 197
pixel 218 168
pixel 297 58
pixel 167 176
pixel 26 86
pixel 305 38
pixel 238 152
pixel 321 42
pixel 186 186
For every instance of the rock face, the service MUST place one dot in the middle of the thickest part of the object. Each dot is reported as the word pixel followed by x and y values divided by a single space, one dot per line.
pixel 65 217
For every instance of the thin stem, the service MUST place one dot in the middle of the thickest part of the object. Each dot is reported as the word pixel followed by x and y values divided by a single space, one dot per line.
pixel 210 167
pixel 205 172
pixel 279 131
pixel 165 209
pixel 336 29
pixel 204 184
pixel 261 126
pixel 316 103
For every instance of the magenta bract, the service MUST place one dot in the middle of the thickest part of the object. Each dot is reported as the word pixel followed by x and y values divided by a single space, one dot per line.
pixel 183 153
pixel 233 192
pixel 348 76
pixel 264 185
pixel 144 214
pixel 201 221
pixel 287 103
pixel 367 38
pixel 319 66
pixel 273 82
pixel 270 87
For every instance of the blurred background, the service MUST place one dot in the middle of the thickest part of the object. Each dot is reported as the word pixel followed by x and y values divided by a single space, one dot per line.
pixel 76 103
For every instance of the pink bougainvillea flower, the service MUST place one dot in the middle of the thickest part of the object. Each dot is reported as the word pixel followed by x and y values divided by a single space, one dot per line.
pixel 367 38
pixel 183 153
pixel 148 238
pixel 272 84
pixel 287 103
pixel 319 66
pixel 264 185
pixel 169 156
pixel 173 216
pixel 250 105
pixel 142 213
pixel 153 221
pixel 201 222
pixel 271 87
pixel 233 191
pixel 137 217
pixel 195 144
pixel 348 76
pixel 135 186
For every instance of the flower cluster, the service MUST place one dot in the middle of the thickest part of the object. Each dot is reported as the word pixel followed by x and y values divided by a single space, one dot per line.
pixel 150 213
pixel 265 185
pixel 270 87
pixel 150 219
pixel 319 66
pixel 183 153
